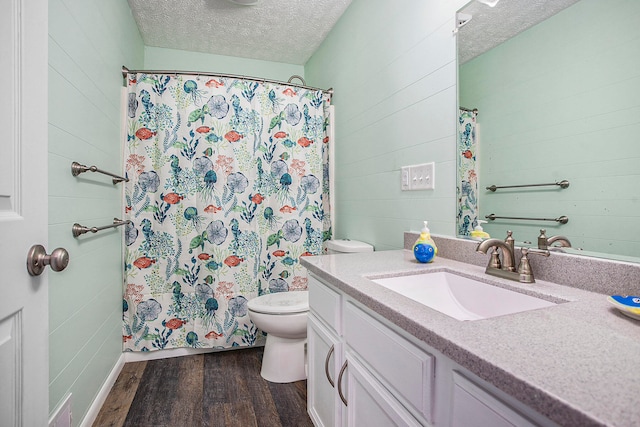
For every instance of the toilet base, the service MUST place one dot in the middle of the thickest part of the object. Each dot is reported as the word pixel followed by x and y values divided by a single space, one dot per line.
pixel 283 360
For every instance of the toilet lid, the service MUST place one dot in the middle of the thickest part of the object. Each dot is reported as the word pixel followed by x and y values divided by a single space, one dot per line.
pixel 281 303
pixel 348 246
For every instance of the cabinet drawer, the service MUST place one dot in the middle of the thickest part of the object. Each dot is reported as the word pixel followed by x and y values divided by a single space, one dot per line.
pixel 400 364
pixel 325 303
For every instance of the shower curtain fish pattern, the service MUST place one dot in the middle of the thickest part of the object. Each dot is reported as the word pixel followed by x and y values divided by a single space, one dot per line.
pixel 228 189
pixel 467 179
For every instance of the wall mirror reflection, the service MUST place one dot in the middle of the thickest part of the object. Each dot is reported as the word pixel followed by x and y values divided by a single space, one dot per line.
pixel 556 85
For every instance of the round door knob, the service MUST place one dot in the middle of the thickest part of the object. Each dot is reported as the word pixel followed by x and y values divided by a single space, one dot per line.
pixel 37 260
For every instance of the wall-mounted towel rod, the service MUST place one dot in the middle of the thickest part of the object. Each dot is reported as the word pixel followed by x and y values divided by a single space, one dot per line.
pixel 77 169
pixel 562 184
pixel 562 220
pixel 78 229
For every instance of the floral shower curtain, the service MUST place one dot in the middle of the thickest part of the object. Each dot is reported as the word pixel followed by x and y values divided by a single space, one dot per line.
pixel 228 188
pixel 467 180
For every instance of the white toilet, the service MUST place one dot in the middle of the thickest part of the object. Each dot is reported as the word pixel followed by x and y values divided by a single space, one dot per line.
pixel 283 316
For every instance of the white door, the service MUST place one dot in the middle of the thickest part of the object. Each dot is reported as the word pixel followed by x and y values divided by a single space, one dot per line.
pixel 23 212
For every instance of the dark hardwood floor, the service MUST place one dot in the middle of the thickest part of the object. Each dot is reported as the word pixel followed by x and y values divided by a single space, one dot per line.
pixel 215 389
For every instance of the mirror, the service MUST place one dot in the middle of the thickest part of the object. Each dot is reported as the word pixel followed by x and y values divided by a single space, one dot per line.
pixel 557 101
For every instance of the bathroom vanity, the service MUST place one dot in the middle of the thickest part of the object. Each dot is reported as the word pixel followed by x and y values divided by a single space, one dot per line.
pixel 380 358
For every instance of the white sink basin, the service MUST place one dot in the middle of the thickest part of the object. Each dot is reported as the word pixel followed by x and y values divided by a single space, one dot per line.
pixel 460 297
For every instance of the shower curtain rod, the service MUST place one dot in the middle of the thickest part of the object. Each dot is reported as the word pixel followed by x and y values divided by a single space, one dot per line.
pixel 126 71
pixel 471 110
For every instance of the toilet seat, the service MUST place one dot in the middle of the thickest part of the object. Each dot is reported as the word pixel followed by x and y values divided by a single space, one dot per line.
pixel 281 303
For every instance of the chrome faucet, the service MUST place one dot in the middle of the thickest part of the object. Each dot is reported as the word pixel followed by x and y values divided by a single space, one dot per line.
pixel 545 242
pixel 506 267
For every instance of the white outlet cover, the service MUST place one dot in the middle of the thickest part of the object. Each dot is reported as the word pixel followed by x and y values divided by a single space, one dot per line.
pixel 405 174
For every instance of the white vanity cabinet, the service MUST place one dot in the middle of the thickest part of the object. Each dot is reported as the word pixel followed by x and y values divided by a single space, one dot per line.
pixel 324 355
pixel 365 371
pixel 360 373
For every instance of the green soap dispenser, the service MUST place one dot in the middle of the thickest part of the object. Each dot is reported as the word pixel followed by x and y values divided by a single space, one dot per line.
pixel 425 249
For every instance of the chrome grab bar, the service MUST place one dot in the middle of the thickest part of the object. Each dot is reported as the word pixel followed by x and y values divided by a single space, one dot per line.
pixel 78 229
pixel 562 220
pixel 562 184
pixel 77 169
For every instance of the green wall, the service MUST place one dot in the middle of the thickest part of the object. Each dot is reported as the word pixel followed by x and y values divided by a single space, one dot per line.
pixel 392 65
pixel 156 58
pixel 88 43
pixel 561 101
pixel 393 68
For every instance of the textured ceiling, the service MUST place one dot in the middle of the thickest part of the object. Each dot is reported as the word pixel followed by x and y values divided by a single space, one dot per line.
pixel 490 26
pixel 286 31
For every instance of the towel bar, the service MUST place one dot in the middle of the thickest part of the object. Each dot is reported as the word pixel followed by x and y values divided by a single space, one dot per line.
pixel 77 169
pixel 78 229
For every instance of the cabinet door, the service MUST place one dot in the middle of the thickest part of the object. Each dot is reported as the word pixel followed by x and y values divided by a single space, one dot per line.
pixel 472 406
pixel 396 363
pixel 368 403
pixel 324 351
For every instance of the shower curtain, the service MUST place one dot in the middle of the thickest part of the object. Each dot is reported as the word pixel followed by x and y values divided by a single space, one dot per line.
pixel 467 179
pixel 228 188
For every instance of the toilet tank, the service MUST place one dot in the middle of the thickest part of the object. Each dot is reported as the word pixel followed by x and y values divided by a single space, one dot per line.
pixel 346 246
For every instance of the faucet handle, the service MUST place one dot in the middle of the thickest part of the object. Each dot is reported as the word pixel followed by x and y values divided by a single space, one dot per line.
pixel 542 240
pixel 524 269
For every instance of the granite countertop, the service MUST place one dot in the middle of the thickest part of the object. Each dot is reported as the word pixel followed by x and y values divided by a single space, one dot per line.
pixel 575 363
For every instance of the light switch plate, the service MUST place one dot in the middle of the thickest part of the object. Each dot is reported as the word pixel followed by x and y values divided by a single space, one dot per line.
pixel 423 176
pixel 418 177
